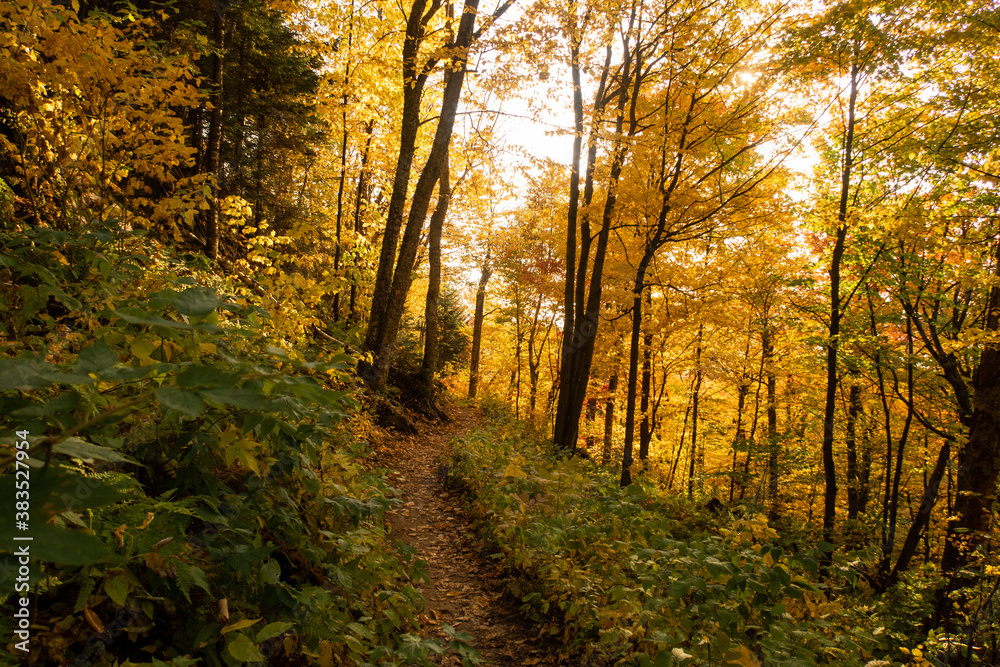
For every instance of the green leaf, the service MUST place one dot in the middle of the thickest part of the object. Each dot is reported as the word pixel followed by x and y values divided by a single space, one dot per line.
pixel 117 587
pixel 242 648
pixel 205 376
pixel 664 659
pixel 272 630
pixel 197 301
pixel 238 397
pixel 143 347
pixel 95 358
pixel 78 448
pixel 52 544
pixel 239 625
pixel 270 572
pixel 55 490
pixel 26 374
pixel 187 402
pixel 153 320
pixel 197 577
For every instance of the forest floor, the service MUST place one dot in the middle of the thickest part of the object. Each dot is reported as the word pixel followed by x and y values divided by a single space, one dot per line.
pixel 466 590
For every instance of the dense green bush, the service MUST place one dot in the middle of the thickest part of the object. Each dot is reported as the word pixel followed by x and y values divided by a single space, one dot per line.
pixel 195 493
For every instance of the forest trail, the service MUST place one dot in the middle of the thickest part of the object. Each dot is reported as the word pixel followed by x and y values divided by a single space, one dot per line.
pixel 465 590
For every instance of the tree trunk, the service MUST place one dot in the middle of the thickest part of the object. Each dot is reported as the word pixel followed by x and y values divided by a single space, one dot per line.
pixel 767 350
pixel 429 365
pixel 383 340
pixel 535 359
pixel 339 251
pixel 578 349
pixel 645 428
pixel 591 419
pixel 977 472
pixel 633 369
pixel 569 313
pixel 890 534
pixel 360 198
pixel 922 518
pixel 854 410
pixel 833 342
pixel 609 419
pixel 477 327
pixel 515 374
pixel 864 474
pixel 211 162
pixel 680 445
pixel 694 414
pixel 414 76
pixel 740 439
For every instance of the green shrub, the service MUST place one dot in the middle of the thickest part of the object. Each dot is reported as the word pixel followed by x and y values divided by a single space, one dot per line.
pixel 195 493
pixel 633 577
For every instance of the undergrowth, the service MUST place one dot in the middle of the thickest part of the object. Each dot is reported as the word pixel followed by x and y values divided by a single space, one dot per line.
pixel 637 576
pixel 192 477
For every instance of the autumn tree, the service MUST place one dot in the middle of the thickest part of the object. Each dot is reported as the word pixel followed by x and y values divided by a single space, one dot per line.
pixel 392 284
pixel 705 171
pixel 852 40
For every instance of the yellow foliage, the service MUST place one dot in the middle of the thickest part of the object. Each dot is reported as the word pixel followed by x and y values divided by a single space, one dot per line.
pixel 514 468
pixel 98 115
pixel 749 529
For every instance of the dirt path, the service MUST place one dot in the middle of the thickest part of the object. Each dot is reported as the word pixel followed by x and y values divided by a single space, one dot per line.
pixel 464 591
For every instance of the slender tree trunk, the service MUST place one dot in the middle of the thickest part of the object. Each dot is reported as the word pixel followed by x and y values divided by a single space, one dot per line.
pixel 591 419
pixel 339 251
pixel 198 139
pixel 533 366
pixel 864 474
pixel 535 359
pixel 740 439
pixel 630 388
pixel 477 327
pixel 633 369
pixel 696 394
pixel 836 312
pixel 889 543
pixel 922 518
pixel 853 476
pixel 767 350
pixel 646 427
pixel 680 445
pixel 515 375
pixel 751 440
pixel 432 344
pixel 652 245
pixel 360 200
pixel 569 313
pixel 211 162
pixel 609 418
